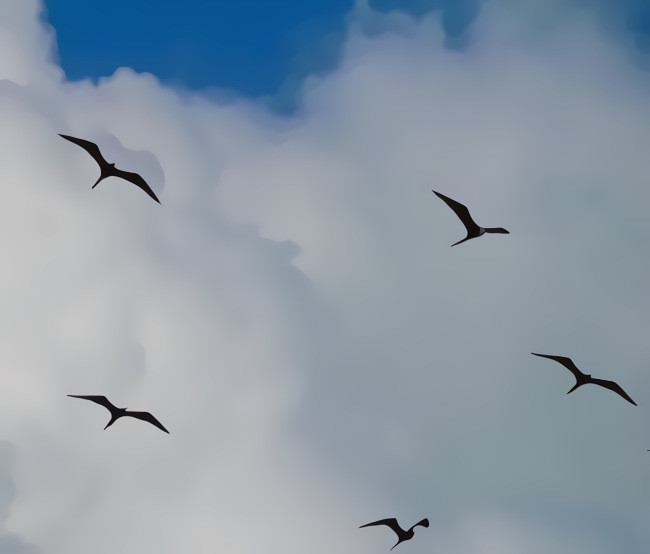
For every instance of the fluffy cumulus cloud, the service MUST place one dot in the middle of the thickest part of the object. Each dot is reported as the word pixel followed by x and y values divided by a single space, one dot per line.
pixel 293 313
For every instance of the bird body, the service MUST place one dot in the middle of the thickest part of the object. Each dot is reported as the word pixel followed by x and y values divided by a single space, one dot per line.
pixel 473 230
pixel 584 378
pixel 108 169
pixel 117 413
pixel 402 535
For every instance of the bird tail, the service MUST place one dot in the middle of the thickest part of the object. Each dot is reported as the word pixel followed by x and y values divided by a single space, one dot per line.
pixel 396 544
pixel 98 180
pixel 113 420
pixel 574 387
pixel 466 238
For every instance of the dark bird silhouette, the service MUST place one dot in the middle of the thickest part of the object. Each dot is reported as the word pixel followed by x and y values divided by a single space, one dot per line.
pixel 109 170
pixel 117 413
pixel 473 230
pixel 584 379
pixel 401 534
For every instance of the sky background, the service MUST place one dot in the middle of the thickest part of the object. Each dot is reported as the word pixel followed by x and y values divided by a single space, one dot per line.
pixel 293 312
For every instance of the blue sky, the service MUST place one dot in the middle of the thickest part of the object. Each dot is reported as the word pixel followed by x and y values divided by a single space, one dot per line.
pixel 250 46
pixel 257 48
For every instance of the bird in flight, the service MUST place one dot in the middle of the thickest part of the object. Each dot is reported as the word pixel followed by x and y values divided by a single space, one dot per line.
pixel 584 379
pixel 109 170
pixel 117 413
pixel 401 534
pixel 473 230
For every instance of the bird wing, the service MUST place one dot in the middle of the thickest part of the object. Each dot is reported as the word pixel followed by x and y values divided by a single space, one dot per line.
pixel 146 416
pixel 89 147
pixel 566 362
pixel 101 400
pixel 136 179
pixel 390 522
pixel 461 211
pixel 611 385
pixel 424 523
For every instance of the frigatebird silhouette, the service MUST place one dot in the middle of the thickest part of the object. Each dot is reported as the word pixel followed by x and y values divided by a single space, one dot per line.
pixel 109 170
pixel 401 534
pixel 117 413
pixel 473 230
pixel 584 379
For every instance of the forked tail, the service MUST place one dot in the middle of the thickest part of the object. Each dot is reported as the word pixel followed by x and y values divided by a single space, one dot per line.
pixel 575 387
pixel 98 180
pixel 113 420
pixel 466 238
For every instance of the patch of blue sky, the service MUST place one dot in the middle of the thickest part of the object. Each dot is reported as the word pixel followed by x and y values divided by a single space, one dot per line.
pixel 255 48
pixel 249 46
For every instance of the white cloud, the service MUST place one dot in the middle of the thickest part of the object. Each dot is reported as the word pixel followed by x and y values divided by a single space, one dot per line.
pixel 294 315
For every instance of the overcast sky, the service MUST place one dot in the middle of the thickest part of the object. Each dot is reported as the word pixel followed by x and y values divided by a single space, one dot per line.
pixel 293 312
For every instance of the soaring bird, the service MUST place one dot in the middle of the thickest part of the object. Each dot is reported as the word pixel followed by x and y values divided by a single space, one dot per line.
pixel 117 413
pixel 401 534
pixel 473 230
pixel 109 170
pixel 584 379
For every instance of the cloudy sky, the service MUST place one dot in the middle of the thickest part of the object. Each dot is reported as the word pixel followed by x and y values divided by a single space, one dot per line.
pixel 292 312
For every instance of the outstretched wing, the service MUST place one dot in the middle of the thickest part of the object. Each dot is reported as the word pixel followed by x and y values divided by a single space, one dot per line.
pixel 89 147
pixel 566 362
pixel 391 522
pixel 146 416
pixel 462 212
pixel 101 400
pixel 611 385
pixel 424 523
pixel 137 180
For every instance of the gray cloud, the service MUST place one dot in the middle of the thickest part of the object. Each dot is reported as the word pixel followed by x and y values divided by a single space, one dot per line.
pixel 9 542
pixel 294 315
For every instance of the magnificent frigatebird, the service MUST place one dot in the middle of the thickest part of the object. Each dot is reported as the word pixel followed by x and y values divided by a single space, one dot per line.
pixel 117 413
pixel 584 379
pixel 109 170
pixel 473 230
pixel 401 534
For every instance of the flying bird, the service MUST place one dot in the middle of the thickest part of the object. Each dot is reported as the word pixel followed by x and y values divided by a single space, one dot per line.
pixel 109 170
pixel 117 413
pixel 584 379
pixel 401 534
pixel 473 230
